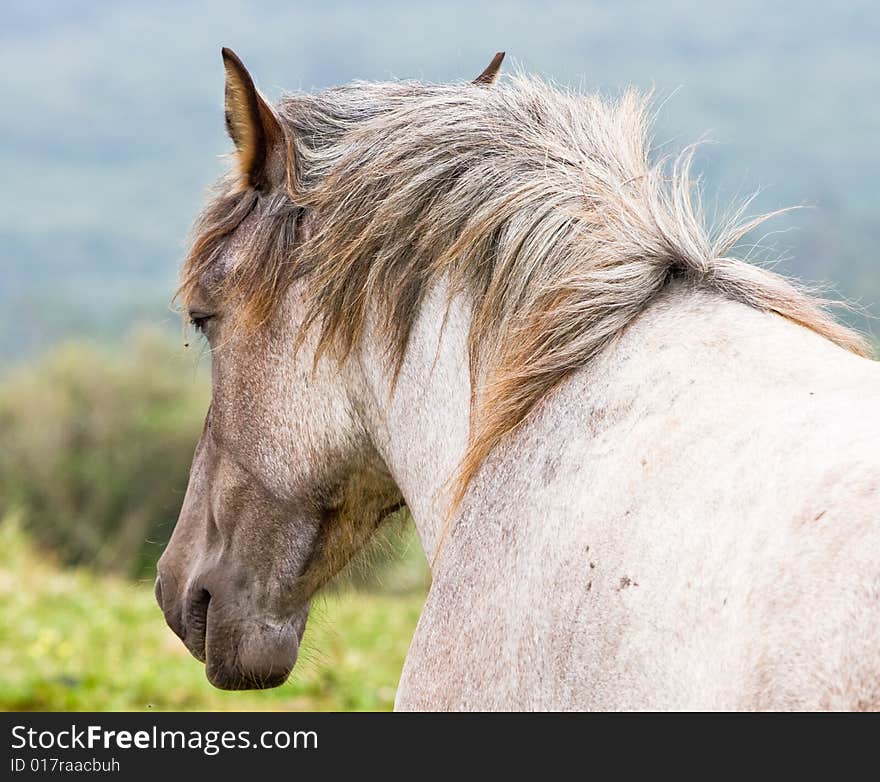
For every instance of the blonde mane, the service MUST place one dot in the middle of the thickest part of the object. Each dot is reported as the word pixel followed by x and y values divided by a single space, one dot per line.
pixel 539 205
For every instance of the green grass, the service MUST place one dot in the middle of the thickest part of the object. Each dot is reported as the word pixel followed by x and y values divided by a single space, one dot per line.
pixel 71 640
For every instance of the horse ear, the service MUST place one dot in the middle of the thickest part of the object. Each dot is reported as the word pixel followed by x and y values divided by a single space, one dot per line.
pixel 490 75
pixel 254 128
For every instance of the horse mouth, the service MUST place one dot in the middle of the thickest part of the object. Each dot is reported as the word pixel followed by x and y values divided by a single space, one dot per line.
pixel 240 651
pixel 252 654
pixel 249 653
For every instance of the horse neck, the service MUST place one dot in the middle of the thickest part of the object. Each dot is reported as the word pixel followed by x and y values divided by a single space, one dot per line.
pixel 419 424
pixel 685 340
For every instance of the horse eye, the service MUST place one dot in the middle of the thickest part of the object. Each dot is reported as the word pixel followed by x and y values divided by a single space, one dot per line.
pixel 199 320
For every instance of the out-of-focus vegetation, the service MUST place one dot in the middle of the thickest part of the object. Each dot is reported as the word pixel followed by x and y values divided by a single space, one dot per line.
pixel 96 447
pixel 72 640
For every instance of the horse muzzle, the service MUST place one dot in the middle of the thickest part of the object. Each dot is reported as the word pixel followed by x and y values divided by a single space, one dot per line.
pixel 241 649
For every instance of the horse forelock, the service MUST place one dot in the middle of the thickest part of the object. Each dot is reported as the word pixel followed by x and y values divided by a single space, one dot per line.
pixel 541 205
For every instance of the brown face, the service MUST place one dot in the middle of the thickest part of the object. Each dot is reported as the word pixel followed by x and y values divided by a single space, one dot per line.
pixel 284 486
pixel 263 485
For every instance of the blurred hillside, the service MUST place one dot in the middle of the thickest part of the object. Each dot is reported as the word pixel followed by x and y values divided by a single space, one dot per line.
pixel 112 124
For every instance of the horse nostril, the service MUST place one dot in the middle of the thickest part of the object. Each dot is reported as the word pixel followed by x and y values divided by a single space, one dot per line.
pixel 157 591
pixel 196 623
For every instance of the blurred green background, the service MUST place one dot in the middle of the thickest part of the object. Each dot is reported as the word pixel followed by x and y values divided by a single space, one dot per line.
pixel 112 129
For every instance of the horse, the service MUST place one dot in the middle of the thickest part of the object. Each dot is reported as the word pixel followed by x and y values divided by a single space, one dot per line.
pixel 644 471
